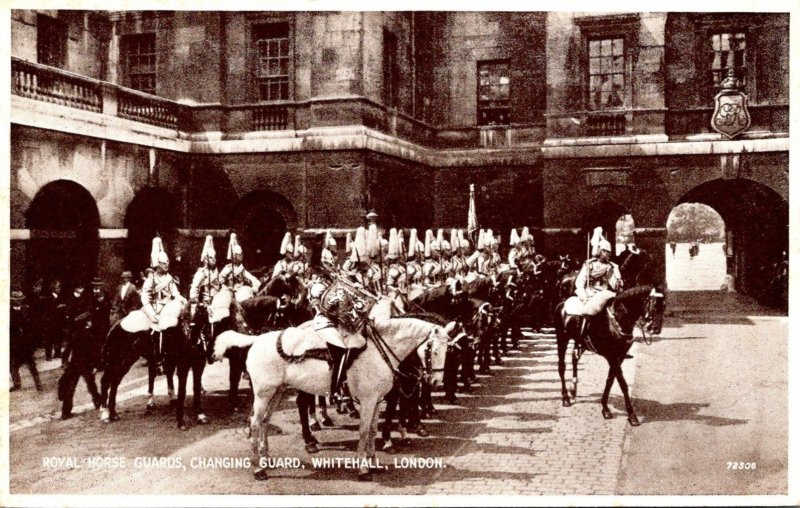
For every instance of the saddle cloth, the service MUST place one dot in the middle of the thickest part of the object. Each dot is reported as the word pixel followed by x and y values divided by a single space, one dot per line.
pixel 137 321
pixel 220 307
pixel 303 338
pixel 574 306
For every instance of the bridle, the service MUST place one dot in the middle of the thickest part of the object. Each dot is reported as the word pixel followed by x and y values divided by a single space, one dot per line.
pixel 644 323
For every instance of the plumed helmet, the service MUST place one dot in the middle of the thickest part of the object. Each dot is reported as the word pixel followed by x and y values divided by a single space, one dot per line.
pixel 330 241
pixel 358 250
pixel 526 235
pixel 439 240
pixel 156 252
pixel 454 240
pixel 373 242
pixel 597 236
pixel 208 249
pixel 299 248
pixel 401 243
pixel 514 239
pixel 489 239
pixel 233 246
pixel 481 240
pixel 429 241
pixel 412 243
pixel 393 251
pixel 286 244
pixel 604 245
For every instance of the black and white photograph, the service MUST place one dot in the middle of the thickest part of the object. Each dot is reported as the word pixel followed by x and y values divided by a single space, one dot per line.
pixel 489 256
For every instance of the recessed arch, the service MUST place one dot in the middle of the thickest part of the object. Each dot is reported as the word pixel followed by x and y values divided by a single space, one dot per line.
pixel 63 220
pixel 261 219
pixel 153 211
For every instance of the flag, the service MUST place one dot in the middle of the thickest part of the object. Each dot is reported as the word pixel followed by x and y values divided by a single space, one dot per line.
pixel 472 217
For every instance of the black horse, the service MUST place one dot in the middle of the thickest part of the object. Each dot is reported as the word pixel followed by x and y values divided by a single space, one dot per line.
pixel 610 334
pixel 180 353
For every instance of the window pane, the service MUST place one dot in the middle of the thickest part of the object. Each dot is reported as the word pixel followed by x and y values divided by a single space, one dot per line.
pixel 617 47
pixel 605 47
pixel 594 48
pixel 619 63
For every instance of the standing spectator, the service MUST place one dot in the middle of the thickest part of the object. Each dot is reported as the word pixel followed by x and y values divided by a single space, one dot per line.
pixel 81 352
pixel 22 346
pixel 101 314
pixel 52 318
pixel 126 298
pixel 673 246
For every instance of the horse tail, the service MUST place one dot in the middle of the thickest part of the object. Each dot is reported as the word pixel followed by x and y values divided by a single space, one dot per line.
pixel 229 339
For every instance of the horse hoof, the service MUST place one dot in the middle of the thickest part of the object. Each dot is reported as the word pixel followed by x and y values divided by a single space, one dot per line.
pixel 260 474
pixel 365 477
pixel 607 414
pixel 421 432
pixel 312 448
pixel 634 421
pixel 565 402
pixel 315 427
pixel 203 420
pixel 327 422
pixel 574 393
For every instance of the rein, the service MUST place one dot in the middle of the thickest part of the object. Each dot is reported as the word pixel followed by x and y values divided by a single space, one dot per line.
pixel 386 351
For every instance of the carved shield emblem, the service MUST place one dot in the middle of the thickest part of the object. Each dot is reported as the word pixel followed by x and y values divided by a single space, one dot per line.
pixel 730 117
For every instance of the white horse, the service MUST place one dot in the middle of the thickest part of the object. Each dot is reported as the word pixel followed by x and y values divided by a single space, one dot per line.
pixel 274 363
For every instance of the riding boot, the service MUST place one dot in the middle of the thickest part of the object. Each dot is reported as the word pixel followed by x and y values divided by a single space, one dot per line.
pixel 338 357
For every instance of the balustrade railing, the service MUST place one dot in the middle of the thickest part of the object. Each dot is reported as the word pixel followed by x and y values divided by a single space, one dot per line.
pixel 55 86
pixel 148 109
pixel 606 124
pixel 270 118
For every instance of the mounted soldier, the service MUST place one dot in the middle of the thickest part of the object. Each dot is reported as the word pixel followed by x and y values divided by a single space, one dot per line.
pixel 235 275
pixel 359 272
pixel 330 253
pixel 298 265
pixel 159 287
pixel 205 283
pixel 432 266
pixel 375 270
pixel 283 265
pixel 416 250
pixel 445 249
pixel 396 282
pixel 515 253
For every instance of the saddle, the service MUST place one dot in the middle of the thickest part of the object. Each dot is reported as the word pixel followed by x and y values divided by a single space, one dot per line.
pixel 574 306
pixel 295 345
pixel 138 321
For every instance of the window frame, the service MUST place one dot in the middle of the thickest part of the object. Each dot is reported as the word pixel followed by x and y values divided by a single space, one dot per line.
pixel 254 56
pixel 708 24
pixel 478 106
pixel 45 25
pixel 615 26
pixel 587 75
pixel 125 45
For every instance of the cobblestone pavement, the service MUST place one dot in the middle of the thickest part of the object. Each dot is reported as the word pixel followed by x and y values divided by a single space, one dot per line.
pixel 512 436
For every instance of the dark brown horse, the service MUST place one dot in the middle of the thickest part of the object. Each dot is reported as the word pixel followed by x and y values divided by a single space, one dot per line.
pixel 610 334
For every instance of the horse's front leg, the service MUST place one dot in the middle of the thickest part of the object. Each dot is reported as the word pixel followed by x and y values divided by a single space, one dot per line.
pixel 632 419
pixel 304 401
pixel 604 400
pixel 561 343
pixel 367 430
pixel 575 358
pixel 152 371
pixel 197 390
pixel 183 375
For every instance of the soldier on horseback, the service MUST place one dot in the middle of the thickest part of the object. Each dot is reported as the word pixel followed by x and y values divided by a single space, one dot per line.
pixel 396 282
pixel 432 267
pixel 234 274
pixel 598 274
pixel 159 287
pixel 330 253
pixel 283 265
pixel 205 283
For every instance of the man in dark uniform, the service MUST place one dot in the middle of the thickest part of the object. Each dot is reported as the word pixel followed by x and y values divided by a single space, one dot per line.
pixel 52 306
pixel 22 346
pixel 101 314
pixel 81 352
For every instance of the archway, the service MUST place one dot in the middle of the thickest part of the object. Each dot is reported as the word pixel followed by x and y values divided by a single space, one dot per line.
pixel 63 221
pixel 696 251
pixel 152 212
pixel 262 219
pixel 757 222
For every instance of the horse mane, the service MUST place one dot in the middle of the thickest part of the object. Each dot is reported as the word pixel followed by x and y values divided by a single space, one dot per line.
pixel 634 293
pixel 425 316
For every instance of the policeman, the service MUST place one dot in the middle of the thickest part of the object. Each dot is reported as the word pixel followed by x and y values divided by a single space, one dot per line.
pixel 21 342
pixel 81 352
pixel 205 283
pixel 234 274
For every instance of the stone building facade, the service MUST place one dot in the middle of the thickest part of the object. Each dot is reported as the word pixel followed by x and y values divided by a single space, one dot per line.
pixel 127 124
